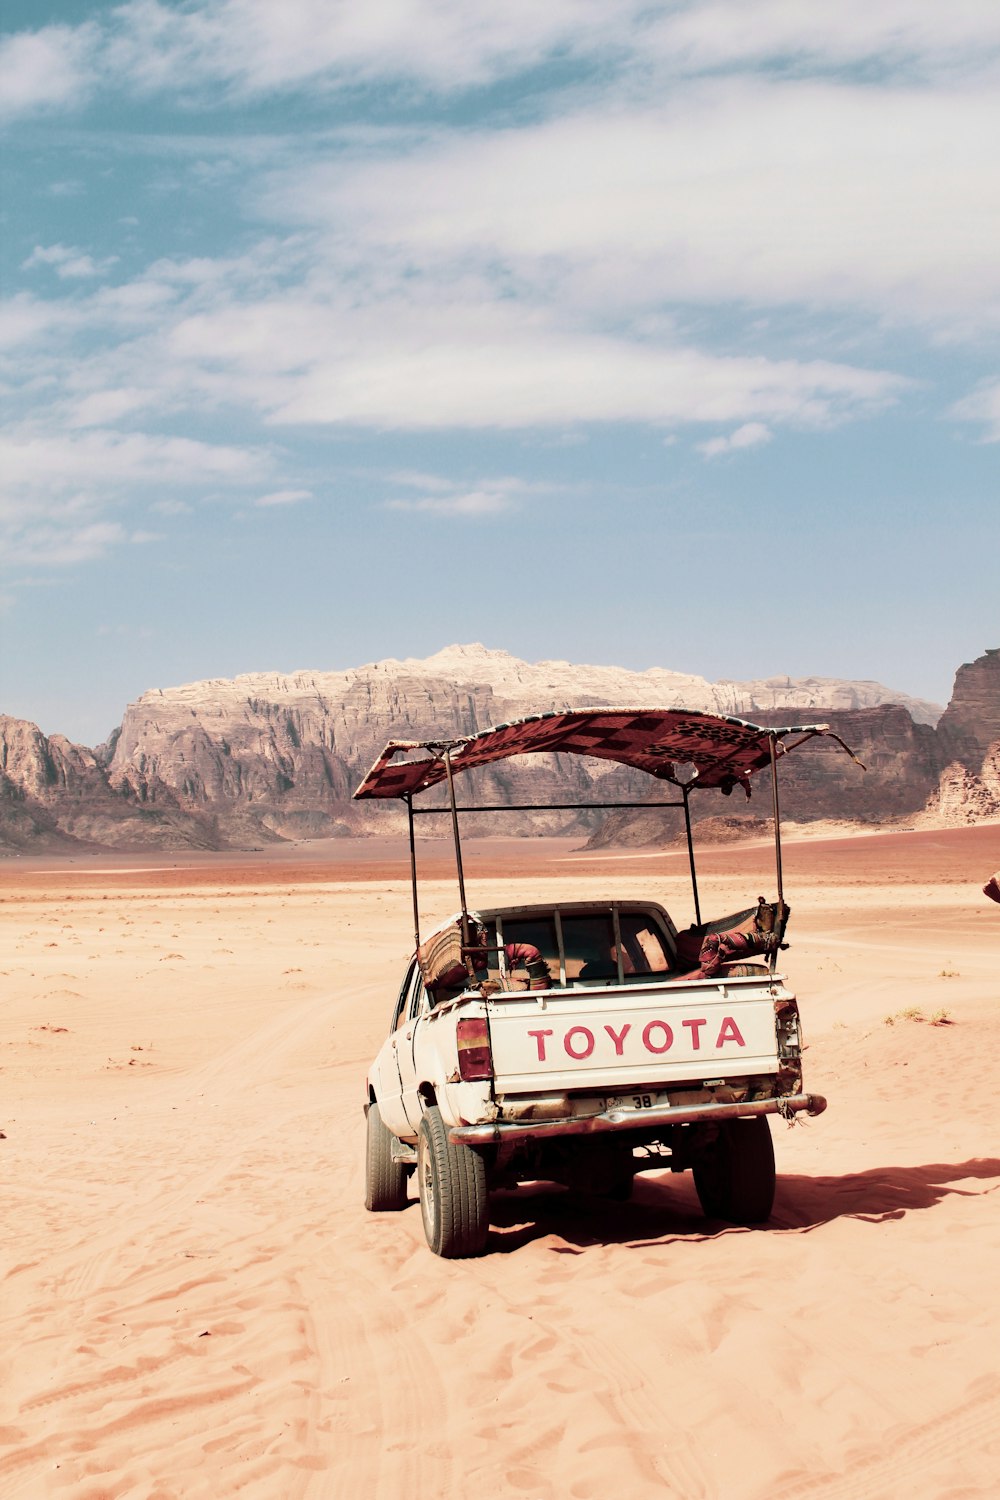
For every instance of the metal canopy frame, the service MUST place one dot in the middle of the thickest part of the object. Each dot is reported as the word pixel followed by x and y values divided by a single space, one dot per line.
pixel 440 768
pixel 454 809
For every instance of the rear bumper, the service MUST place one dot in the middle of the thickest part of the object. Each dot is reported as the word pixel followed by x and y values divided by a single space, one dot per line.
pixel 630 1119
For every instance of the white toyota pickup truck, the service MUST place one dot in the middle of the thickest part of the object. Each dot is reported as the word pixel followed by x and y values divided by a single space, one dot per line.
pixel 583 1042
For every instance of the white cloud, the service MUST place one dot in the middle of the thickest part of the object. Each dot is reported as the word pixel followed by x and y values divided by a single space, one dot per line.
pixel 46 69
pixel 487 367
pixel 443 496
pixel 366 346
pixel 54 546
pixel 540 276
pixel 750 435
pixel 172 508
pixel 65 463
pixel 48 255
pixel 101 408
pixel 798 193
pixel 133 304
pixel 82 267
pixel 416 479
pixel 283 497
pixel 255 47
pixel 924 36
pixel 59 487
pixel 26 320
pixel 474 503
pixel 983 406
pixel 68 262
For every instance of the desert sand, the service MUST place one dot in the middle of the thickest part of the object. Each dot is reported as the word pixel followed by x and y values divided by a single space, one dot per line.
pixel 195 1304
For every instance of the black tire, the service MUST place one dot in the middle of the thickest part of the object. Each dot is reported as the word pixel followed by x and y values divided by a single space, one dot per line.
pixel 454 1203
pixel 734 1176
pixel 621 1191
pixel 385 1179
pixel 622 1176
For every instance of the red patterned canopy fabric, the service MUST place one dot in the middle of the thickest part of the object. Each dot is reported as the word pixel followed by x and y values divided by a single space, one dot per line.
pixel 724 751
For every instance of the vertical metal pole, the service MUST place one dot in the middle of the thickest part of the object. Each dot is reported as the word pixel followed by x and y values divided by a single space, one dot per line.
pixel 559 943
pixel 413 875
pixel 694 876
pixel 777 818
pixel 777 838
pixel 458 853
pixel 617 930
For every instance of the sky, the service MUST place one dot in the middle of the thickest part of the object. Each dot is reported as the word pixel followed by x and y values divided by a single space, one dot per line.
pixel 610 331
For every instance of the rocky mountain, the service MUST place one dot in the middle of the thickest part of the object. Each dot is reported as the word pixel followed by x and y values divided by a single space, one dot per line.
pixel 971 722
pixel 945 776
pixel 964 797
pixel 817 782
pixel 55 795
pixel 232 763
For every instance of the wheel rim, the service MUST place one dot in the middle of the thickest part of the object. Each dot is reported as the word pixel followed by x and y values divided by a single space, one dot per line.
pixel 425 1166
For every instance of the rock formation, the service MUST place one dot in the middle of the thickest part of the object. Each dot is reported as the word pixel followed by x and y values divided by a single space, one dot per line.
pixel 818 780
pixel 965 797
pixel 971 722
pixel 55 795
pixel 230 763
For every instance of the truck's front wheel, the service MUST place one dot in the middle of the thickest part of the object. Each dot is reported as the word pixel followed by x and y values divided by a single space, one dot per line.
pixel 734 1174
pixel 385 1179
pixel 453 1199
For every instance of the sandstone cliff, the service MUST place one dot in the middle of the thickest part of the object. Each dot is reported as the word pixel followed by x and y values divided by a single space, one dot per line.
pixel 963 796
pixel 817 781
pixel 968 748
pixel 57 796
pixel 278 756
pixel 267 756
pixel 971 722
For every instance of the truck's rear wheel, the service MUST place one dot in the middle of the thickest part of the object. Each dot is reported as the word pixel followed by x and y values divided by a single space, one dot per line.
pixel 734 1175
pixel 453 1199
pixel 621 1175
pixel 385 1179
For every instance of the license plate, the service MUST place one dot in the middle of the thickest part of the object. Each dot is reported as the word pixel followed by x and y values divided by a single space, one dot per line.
pixel 631 1101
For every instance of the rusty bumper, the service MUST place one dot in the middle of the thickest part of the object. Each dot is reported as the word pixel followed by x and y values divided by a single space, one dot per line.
pixel 630 1119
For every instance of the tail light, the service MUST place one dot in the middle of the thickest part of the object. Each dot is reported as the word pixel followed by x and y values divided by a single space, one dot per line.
pixel 475 1060
pixel 788 1027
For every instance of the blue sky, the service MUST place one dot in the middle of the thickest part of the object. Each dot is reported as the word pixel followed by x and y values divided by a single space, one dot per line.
pixel 601 330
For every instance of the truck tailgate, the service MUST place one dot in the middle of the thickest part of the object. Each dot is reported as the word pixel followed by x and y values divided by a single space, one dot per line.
pixel 613 1039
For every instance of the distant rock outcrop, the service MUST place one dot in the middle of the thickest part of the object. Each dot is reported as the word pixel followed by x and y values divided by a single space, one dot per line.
pixel 230 763
pixel 818 781
pixel 55 795
pixel 971 722
pixel 965 797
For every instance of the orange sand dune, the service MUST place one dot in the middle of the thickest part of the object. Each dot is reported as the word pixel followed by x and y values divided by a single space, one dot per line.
pixel 196 1305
